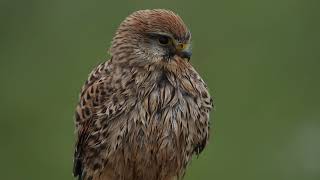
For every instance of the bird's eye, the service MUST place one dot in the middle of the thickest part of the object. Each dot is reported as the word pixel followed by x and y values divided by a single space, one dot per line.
pixel 164 40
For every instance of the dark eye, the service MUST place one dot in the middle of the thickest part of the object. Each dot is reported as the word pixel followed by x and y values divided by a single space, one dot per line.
pixel 164 40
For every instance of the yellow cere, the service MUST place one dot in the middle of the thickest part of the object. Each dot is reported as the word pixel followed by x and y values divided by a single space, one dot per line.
pixel 181 46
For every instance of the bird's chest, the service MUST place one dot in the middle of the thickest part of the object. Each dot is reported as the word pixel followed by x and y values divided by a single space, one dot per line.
pixel 166 112
pixel 164 125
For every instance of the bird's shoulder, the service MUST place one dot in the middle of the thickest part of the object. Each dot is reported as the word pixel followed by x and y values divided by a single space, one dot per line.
pixel 106 88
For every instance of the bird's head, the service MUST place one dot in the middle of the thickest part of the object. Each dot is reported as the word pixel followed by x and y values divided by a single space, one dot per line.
pixel 151 36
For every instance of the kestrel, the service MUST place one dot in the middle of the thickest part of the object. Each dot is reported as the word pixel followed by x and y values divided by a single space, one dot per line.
pixel 145 112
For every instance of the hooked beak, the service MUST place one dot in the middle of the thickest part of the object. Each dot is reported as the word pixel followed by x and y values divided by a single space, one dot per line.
pixel 183 50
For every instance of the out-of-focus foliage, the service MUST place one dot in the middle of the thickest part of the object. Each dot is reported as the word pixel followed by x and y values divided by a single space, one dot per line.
pixel 261 60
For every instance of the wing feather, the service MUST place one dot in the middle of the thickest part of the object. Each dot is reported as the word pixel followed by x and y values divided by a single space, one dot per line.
pixel 100 102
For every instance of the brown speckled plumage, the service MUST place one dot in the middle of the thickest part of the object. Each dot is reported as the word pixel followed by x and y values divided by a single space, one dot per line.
pixel 145 112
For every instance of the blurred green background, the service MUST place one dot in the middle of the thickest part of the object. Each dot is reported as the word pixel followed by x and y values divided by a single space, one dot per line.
pixel 261 60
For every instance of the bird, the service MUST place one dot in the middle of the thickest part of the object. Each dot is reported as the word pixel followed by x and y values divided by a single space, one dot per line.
pixel 143 113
